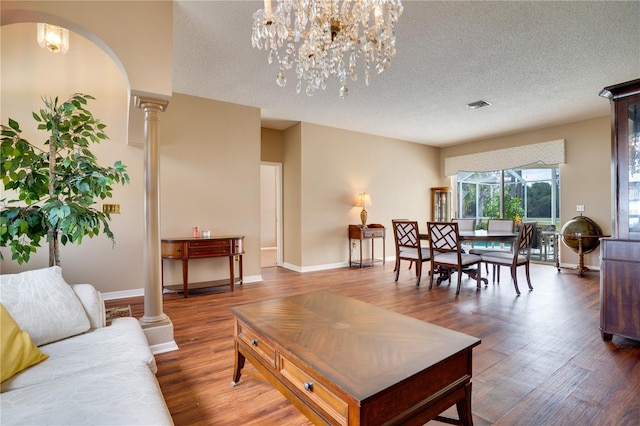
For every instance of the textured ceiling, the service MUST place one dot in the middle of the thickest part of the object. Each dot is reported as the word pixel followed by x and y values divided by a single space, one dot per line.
pixel 539 63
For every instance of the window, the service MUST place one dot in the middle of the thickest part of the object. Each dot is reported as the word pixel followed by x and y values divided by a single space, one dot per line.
pixel 526 193
pixel 500 187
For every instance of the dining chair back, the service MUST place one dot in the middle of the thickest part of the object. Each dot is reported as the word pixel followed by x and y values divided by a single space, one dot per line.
pixel 501 225
pixel 446 254
pixel 407 241
pixel 496 225
pixel 520 256
pixel 465 225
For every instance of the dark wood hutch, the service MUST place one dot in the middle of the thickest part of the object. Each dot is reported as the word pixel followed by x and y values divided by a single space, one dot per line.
pixel 620 267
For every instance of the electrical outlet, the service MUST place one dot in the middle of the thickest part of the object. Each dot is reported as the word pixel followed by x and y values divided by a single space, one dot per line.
pixel 580 207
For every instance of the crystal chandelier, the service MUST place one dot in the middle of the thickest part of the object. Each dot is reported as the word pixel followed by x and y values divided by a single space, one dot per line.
pixel 322 38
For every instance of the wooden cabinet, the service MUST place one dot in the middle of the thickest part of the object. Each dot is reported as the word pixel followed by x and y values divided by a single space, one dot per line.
pixel 625 137
pixel 620 266
pixel 620 289
pixel 440 204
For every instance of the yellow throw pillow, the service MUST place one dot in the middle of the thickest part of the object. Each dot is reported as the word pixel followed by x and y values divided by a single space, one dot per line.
pixel 17 352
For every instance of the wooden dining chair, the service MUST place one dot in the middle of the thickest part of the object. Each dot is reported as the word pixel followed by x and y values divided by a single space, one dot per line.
pixel 496 225
pixel 446 254
pixel 501 225
pixel 407 240
pixel 466 225
pixel 519 257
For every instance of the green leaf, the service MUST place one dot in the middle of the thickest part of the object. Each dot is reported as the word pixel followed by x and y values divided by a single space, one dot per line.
pixel 14 125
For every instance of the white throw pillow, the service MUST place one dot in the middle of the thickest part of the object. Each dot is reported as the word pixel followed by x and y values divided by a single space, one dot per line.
pixel 43 305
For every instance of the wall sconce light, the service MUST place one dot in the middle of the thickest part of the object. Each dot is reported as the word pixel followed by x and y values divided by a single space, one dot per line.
pixel 363 201
pixel 54 38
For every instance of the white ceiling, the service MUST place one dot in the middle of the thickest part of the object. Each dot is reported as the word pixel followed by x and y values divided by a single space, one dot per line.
pixel 539 63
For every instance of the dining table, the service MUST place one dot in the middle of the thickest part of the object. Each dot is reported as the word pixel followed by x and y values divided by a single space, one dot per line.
pixel 480 235
pixel 476 236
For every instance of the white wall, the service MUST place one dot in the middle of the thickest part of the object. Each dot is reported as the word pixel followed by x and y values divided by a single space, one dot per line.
pixel 328 167
pixel 30 72
pixel 210 177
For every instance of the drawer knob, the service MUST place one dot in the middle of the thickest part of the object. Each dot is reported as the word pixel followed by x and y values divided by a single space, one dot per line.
pixel 254 342
pixel 308 386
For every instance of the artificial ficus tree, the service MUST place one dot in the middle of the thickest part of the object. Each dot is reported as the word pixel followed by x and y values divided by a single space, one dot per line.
pixel 56 187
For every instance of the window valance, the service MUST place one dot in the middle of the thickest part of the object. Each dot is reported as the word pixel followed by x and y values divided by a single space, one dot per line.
pixel 551 152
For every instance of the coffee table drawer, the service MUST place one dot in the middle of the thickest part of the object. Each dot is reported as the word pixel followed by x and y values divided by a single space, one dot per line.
pixel 315 391
pixel 260 346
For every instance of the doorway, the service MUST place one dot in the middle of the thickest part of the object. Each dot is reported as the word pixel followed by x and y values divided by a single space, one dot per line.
pixel 270 214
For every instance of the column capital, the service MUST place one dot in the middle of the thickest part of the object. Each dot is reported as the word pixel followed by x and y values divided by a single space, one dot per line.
pixel 147 101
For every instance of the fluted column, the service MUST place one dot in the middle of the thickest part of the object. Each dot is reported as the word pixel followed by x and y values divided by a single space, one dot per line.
pixel 153 310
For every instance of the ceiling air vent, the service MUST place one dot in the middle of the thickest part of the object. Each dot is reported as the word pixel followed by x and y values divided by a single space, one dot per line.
pixel 478 104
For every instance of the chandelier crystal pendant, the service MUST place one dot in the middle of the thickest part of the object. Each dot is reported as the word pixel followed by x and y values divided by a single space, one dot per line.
pixel 323 38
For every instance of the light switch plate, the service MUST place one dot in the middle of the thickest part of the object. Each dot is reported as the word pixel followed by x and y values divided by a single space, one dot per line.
pixel 580 207
pixel 111 208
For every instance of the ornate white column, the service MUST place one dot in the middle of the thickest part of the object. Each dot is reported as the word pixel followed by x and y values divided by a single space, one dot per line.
pixel 157 326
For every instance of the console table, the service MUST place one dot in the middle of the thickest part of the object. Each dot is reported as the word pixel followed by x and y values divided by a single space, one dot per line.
pixel 370 232
pixel 344 362
pixel 198 248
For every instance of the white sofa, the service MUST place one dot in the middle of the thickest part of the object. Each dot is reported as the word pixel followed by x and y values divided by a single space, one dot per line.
pixel 97 375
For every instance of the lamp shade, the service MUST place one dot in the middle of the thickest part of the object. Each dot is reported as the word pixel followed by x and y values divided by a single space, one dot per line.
pixel 363 200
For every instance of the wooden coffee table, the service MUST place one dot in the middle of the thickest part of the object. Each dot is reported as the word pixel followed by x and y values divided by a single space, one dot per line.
pixel 345 362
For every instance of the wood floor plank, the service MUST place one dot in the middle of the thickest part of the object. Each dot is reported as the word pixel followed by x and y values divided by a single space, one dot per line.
pixel 541 360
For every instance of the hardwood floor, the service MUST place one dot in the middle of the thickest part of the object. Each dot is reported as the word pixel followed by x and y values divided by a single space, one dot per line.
pixel 541 360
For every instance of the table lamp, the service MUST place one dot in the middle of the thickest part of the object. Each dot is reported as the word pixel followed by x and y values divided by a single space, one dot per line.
pixel 364 200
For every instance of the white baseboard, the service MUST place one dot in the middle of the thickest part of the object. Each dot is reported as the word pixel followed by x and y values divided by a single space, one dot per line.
pixel 138 292
pixel 291 267
pixel 303 269
pixel 113 295
pixel 161 348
